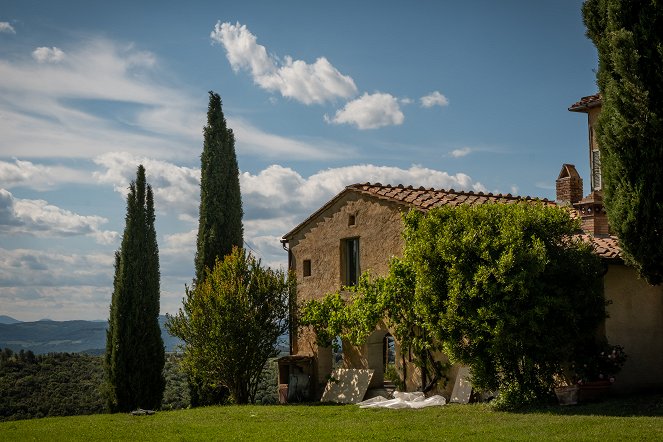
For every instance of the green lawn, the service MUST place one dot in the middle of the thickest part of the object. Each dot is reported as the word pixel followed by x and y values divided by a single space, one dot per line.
pixel 632 419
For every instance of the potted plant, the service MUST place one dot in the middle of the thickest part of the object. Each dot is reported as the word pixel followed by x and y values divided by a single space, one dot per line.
pixel 591 374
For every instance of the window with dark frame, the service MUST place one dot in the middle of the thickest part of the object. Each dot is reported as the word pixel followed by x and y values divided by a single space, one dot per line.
pixel 350 262
pixel 307 267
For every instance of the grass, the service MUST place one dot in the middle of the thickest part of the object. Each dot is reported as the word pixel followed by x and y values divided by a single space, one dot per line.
pixel 639 418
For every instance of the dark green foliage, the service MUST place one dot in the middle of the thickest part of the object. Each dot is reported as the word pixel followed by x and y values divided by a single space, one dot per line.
pixel 267 390
pixel 64 384
pixel 628 37
pixel 134 348
pixel 55 384
pixel 230 323
pixel 176 394
pixel 220 219
pixel 508 291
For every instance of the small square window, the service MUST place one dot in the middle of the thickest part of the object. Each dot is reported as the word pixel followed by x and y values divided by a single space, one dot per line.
pixel 352 220
pixel 307 267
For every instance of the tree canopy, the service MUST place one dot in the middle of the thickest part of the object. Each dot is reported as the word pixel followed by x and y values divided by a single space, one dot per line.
pixel 220 216
pixel 230 322
pixel 628 37
pixel 134 347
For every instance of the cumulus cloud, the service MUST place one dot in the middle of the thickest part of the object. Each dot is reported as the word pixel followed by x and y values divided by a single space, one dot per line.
pixel 39 176
pixel 463 151
pixel 279 191
pixel 434 99
pixel 48 55
pixel 7 28
pixel 175 187
pixel 307 83
pixel 38 218
pixel 66 285
pixel 370 112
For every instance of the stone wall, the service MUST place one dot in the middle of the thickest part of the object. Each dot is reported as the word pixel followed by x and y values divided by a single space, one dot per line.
pixel 378 225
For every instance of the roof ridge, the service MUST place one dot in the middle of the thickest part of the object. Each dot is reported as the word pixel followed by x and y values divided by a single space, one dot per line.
pixel 361 187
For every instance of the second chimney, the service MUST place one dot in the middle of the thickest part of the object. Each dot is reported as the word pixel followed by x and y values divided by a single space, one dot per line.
pixel 568 186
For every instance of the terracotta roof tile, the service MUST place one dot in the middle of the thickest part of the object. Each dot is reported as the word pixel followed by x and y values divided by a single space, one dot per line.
pixel 606 247
pixel 586 103
pixel 425 199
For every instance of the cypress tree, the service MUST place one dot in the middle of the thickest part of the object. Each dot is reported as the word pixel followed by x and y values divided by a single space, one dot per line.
pixel 628 37
pixel 134 348
pixel 220 219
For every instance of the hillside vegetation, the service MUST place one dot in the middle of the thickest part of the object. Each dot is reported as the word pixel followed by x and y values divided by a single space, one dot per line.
pixel 66 384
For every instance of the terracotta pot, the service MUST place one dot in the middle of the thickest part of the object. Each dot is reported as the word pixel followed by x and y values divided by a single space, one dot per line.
pixel 593 391
pixel 582 393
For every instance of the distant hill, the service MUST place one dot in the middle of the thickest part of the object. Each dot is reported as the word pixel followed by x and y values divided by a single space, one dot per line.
pixel 4 319
pixel 63 336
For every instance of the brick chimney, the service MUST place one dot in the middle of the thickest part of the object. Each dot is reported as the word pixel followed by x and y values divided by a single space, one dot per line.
pixel 568 185
pixel 592 214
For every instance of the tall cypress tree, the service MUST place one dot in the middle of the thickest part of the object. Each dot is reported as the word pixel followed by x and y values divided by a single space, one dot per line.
pixel 134 348
pixel 628 37
pixel 220 220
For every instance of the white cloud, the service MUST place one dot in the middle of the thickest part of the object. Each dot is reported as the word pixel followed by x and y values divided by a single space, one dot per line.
pixel 54 118
pixel 176 188
pixel 434 99
pixel 463 151
pixel 307 83
pixel 7 28
pixel 279 192
pixel 51 118
pixel 39 176
pixel 65 285
pixel 370 112
pixel 48 55
pixel 38 218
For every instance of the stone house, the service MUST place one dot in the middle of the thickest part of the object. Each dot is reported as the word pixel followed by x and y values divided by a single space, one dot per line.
pixel 360 229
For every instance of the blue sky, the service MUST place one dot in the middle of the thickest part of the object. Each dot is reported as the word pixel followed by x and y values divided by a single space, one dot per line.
pixel 465 95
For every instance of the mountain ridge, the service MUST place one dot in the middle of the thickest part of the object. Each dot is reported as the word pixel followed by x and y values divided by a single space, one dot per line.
pixel 75 336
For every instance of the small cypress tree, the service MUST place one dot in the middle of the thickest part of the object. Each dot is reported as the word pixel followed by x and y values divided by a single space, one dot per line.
pixel 134 348
pixel 220 220
pixel 628 37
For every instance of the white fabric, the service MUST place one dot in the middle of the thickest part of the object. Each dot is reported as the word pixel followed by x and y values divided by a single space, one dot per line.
pixel 403 400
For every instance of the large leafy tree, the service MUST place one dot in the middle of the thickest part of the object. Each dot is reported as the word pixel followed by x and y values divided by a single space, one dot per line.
pixel 628 37
pixel 134 347
pixel 230 323
pixel 220 218
pixel 507 289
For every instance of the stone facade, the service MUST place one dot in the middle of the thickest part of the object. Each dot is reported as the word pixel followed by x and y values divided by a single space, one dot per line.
pixel 378 227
